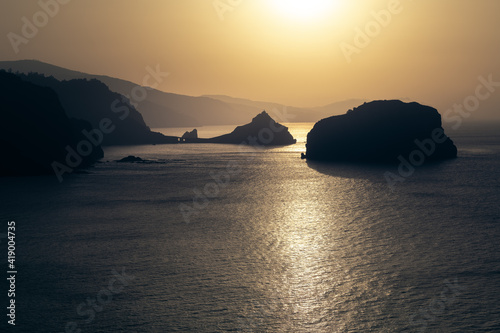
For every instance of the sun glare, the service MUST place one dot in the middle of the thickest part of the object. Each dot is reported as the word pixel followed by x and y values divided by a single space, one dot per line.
pixel 304 9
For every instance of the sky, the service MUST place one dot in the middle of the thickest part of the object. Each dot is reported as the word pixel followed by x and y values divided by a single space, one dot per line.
pixel 295 52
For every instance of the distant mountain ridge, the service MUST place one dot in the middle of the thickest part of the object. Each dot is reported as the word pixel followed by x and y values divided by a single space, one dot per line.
pixel 297 114
pixel 161 109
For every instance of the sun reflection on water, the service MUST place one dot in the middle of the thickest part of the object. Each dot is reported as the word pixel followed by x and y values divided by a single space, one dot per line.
pixel 303 233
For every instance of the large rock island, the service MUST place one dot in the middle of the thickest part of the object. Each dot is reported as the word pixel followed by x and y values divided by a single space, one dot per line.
pixel 381 132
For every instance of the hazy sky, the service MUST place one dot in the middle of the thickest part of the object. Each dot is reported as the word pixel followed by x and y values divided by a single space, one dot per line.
pixel 301 53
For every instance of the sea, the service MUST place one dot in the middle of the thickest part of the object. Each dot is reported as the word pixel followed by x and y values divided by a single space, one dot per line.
pixel 233 238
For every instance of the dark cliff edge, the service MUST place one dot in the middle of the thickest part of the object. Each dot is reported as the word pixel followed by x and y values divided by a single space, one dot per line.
pixel 35 131
pixel 93 101
pixel 261 131
pixel 381 132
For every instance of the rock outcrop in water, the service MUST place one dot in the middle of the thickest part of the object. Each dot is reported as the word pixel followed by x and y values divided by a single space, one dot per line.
pixel 381 132
pixel 190 135
pixel 130 159
pixel 263 131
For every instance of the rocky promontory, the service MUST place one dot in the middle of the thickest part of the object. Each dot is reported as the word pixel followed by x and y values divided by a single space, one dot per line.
pixel 262 130
pixel 190 135
pixel 92 100
pixel 381 132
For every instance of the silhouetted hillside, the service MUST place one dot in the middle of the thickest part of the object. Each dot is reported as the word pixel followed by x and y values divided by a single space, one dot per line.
pixel 162 109
pixel 381 131
pixel 92 100
pixel 159 109
pixel 35 131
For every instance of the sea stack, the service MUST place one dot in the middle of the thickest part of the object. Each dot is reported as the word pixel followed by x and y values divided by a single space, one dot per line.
pixel 263 130
pixel 190 135
pixel 381 132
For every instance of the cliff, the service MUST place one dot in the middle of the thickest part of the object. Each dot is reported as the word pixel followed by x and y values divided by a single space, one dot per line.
pixel 35 131
pixel 91 100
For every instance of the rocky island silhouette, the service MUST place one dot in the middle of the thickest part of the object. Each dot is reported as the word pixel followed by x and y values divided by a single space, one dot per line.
pixel 262 130
pixel 380 132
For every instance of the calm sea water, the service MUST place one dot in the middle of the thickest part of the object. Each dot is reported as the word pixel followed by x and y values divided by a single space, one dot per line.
pixel 277 245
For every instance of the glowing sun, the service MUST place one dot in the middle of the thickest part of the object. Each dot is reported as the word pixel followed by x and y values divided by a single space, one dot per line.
pixel 304 9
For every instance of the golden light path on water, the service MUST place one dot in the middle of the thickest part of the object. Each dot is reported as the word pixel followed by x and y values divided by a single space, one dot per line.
pixel 324 275
pixel 304 269
pixel 303 252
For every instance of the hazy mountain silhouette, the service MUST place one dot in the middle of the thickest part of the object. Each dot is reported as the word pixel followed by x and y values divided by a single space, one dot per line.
pixel 381 131
pixel 161 109
pixel 297 114
pixel 92 101
pixel 35 130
